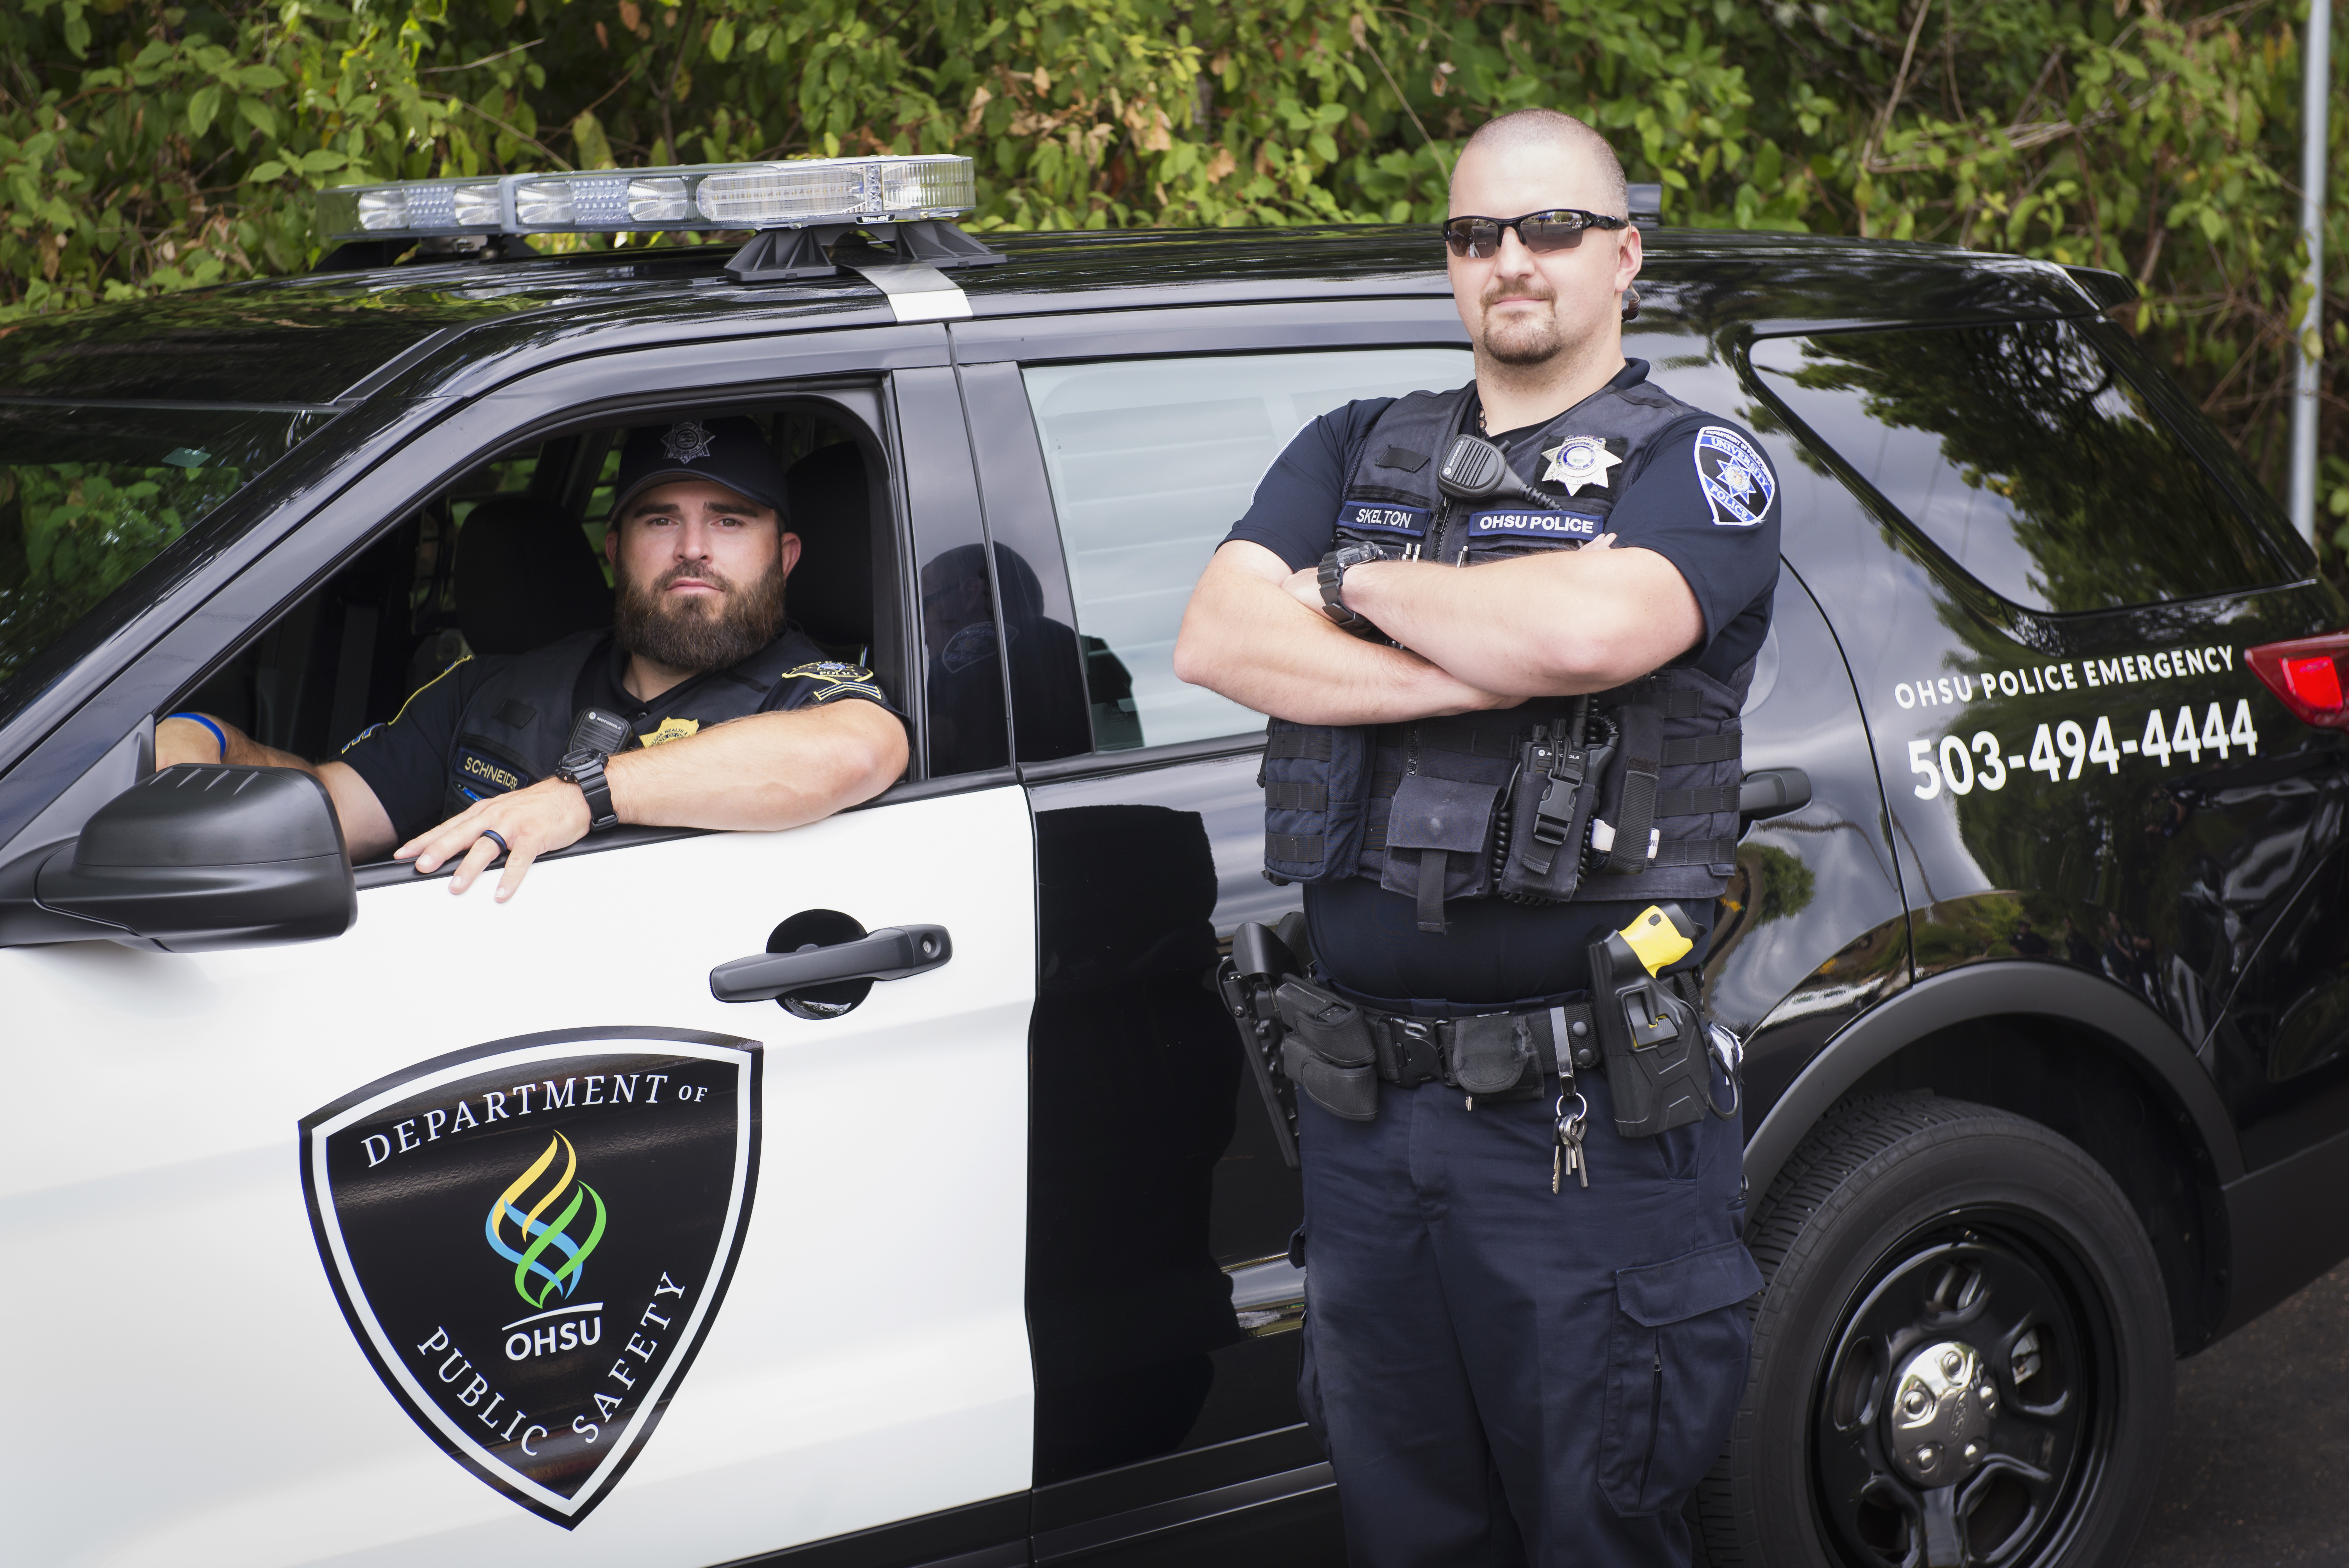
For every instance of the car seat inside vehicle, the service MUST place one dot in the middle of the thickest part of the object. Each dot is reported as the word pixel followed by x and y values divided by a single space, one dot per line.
pixel 525 576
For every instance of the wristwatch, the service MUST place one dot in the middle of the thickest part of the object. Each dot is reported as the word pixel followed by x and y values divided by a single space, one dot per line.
pixel 594 735
pixel 1332 576
pixel 585 769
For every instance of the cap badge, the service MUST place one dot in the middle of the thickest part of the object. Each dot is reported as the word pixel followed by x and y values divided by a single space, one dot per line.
pixel 1578 461
pixel 685 440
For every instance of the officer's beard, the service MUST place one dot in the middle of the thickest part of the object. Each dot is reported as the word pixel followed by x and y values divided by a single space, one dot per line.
pixel 692 631
pixel 1521 338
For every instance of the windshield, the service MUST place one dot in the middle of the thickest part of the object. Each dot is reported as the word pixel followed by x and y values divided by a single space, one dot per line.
pixel 89 495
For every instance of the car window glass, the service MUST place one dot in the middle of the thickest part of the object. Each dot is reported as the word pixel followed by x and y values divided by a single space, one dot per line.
pixel 2025 454
pixel 90 495
pixel 1150 463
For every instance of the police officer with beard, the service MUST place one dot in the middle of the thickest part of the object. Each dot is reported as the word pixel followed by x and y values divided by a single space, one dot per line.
pixel 724 715
pixel 1505 724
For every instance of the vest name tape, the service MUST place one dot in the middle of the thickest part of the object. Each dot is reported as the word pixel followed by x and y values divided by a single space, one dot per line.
pixel 484 771
pixel 1534 524
pixel 1384 517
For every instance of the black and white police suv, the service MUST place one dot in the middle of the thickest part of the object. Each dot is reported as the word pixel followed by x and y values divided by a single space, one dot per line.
pixel 345 1220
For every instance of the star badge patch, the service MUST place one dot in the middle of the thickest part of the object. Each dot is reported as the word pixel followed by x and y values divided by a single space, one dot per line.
pixel 1737 483
pixel 1578 461
pixel 685 440
pixel 671 729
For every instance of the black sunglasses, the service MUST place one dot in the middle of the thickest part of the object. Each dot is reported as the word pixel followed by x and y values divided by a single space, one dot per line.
pixel 1558 229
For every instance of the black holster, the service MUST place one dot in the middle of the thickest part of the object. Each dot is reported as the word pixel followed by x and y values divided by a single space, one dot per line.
pixel 1653 1042
pixel 1261 958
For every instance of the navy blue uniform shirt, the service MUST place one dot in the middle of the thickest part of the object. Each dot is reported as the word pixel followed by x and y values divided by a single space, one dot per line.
pixel 1369 939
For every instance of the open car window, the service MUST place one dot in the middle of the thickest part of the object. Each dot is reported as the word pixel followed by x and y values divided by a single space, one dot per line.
pixel 508 558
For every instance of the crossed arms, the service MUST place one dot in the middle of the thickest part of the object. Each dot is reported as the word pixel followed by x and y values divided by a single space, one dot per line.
pixel 1550 624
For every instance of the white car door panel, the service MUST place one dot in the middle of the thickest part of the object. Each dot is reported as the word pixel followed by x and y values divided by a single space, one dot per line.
pixel 868 1361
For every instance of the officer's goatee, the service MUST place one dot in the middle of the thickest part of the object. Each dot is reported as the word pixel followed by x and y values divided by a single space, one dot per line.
pixel 691 633
pixel 1521 339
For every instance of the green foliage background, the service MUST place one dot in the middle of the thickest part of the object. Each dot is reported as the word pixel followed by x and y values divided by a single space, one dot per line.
pixel 147 147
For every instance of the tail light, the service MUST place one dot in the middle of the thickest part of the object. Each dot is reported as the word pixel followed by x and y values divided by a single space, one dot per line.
pixel 2311 675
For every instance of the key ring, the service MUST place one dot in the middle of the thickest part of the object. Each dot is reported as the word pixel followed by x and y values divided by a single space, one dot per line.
pixel 1582 1111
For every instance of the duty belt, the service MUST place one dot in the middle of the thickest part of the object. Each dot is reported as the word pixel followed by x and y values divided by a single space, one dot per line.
pixel 1411 1051
pixel 1338 1050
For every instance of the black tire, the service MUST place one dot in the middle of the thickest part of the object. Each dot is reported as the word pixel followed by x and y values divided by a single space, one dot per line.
pixel 1909 1224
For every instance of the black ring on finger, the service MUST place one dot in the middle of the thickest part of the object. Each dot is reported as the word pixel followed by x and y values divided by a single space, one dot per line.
pixel 504 847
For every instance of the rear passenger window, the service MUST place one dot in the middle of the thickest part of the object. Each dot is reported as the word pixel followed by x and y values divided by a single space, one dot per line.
pixel 2026 456
pixel 1151 463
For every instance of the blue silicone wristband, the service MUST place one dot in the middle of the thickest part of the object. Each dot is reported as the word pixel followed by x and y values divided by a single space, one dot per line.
pixel 218 734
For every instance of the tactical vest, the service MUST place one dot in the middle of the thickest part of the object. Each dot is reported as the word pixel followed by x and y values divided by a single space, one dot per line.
pixel 1495 804
pixel 514 730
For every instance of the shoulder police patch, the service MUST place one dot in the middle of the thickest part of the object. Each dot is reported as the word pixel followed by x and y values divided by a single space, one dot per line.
pixel 1738 484
pixel 530 1238
pixel 835 677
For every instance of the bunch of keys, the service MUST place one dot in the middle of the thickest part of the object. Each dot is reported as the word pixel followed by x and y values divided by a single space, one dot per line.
pixel 1568 1154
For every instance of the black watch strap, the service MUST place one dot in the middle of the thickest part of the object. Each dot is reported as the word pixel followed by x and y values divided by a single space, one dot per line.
pixel 587 770
pixel 1332 576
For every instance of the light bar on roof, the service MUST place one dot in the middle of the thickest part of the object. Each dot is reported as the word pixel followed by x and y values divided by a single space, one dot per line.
pixel 786 195
pixel 412 207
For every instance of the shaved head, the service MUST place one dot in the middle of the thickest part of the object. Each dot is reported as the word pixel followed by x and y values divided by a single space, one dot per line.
pixel 1545 130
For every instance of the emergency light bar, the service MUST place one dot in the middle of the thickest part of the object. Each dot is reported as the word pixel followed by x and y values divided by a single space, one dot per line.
pixel 796 195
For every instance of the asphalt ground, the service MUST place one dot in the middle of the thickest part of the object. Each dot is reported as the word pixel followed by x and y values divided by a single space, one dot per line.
pixel 2258 1474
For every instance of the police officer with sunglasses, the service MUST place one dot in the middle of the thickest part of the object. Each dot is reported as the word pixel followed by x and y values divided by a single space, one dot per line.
pixel 1504 695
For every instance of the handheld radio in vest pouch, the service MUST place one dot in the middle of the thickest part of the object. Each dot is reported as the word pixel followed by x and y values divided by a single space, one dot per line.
pixel 1550 801
pixel 1657 1067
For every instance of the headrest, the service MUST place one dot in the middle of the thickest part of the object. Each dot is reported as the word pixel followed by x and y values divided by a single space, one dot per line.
pixel 525 576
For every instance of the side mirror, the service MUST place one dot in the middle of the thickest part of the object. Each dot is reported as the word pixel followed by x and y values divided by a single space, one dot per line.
pixel 198 859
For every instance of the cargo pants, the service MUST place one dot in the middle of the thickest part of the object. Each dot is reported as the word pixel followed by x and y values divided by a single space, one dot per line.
pixel 1504 1376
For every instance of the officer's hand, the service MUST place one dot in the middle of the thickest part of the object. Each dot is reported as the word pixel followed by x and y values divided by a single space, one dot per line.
pixel 546 816
pixel 1305 587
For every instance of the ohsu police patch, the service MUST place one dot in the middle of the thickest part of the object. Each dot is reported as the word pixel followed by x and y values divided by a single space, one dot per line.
pixel 1738 485
pixel 529 1239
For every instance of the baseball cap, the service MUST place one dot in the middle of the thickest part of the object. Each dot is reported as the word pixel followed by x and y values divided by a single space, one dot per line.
pixel 731 451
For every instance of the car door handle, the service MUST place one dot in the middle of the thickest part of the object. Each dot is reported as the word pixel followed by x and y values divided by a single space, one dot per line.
pixel 1773 791
pixel 890 954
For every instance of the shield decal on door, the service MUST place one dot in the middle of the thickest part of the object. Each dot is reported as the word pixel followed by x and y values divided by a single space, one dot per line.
pixel 531 1238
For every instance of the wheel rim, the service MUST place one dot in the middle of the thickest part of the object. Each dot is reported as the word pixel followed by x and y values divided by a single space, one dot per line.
pixel 1963 1411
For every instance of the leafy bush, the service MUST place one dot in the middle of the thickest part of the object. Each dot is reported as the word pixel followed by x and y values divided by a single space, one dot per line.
pixel 148 146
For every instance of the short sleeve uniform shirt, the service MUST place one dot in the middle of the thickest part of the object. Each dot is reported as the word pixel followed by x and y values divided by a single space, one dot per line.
pixel 1499 953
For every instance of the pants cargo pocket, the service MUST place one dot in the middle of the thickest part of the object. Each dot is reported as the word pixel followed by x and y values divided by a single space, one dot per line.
pixel 1675 1372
